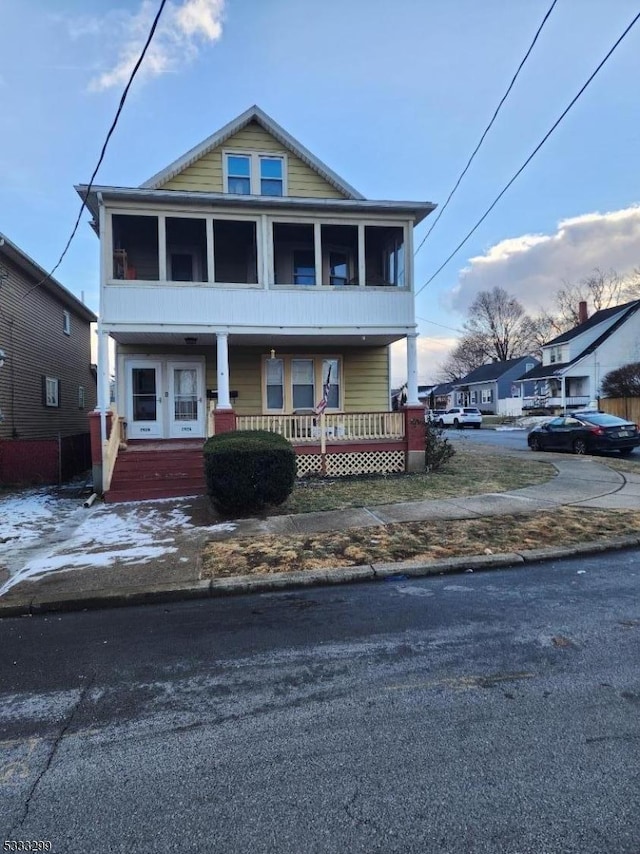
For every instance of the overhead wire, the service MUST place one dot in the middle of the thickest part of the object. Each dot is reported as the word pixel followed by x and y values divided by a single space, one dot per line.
pixel 123 98
pixel 488 127
pixel 533 153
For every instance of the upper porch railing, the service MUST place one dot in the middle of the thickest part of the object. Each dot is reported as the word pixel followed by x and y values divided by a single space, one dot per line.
pixel 345 427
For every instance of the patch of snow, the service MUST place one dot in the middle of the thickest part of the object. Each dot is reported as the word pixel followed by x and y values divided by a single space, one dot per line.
pixel 41 538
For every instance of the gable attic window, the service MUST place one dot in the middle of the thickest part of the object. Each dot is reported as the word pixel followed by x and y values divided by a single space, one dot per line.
pixel 253 173
pixel 239 174
pixel 66 322
pixel 271 177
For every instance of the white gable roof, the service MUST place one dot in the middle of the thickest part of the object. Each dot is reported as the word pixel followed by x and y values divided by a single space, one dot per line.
pixel 253 114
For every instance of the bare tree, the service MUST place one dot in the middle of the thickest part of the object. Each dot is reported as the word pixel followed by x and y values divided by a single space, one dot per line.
pixel 497 329
pixel 599 290
pixel 502 323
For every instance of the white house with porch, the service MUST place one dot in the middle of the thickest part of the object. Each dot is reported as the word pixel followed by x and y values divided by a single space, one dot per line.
pixel 243 284
pixel 574 363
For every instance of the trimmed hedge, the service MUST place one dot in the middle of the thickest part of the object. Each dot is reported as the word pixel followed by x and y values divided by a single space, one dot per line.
pixel 246 470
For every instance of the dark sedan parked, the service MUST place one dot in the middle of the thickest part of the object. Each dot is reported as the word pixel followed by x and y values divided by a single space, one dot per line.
pixel 584 433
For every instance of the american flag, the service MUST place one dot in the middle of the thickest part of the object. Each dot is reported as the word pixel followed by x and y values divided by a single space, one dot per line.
pixel 321 405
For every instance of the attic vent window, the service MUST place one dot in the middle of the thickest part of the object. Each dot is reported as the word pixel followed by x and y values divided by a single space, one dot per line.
pixel 254 173
pixel 66 322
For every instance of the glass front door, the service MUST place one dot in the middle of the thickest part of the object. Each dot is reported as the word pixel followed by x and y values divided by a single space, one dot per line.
pixel 144 414
pixel 186 408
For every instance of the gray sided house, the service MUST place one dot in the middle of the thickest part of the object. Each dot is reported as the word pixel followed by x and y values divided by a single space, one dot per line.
pixel 47 384
pixel 493 388
pixel 574 363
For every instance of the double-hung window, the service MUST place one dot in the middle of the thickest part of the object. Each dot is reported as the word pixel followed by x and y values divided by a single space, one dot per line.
pixel 487 395
pixel 51 392
pixel 239 174
pixel 302 384
pixel 254 174
pixel 275 383
pixel 271 176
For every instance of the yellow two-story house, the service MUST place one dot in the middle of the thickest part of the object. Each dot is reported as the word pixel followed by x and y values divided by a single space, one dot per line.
pixel 248 279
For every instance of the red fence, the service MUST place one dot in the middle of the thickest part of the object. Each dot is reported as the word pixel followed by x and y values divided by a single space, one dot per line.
pixel 43 461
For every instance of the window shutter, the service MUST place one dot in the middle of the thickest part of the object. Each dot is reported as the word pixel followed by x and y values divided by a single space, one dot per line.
pixel 59 395
pixel 43 380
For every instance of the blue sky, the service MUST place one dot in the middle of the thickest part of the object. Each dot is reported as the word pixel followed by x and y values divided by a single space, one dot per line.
pixel 393 97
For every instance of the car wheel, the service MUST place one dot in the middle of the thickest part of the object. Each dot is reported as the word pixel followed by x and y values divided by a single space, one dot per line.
pixel 456 423
pixel 534 444
pixel 477 426
pixel 441 423
pixel 624 452
pixel 579 446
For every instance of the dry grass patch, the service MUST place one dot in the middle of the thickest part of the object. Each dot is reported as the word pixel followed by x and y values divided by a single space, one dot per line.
pixel 471 471
pixel 415 541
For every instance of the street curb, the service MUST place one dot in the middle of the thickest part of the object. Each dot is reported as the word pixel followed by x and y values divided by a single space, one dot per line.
pixel 243 584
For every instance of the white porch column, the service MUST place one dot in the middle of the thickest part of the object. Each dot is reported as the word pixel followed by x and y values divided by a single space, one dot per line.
pixel 103 379
pixel 222 339
pixel 412 369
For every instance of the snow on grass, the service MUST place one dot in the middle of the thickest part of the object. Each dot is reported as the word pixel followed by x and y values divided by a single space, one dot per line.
pixel 125 533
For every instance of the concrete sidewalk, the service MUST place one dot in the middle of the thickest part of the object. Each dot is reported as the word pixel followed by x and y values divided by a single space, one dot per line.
pixel 582 482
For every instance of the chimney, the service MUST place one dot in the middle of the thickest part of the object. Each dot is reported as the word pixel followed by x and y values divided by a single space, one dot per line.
pixel 583 314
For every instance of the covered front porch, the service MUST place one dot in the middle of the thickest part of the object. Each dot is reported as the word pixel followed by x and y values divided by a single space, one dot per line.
pixel 331 400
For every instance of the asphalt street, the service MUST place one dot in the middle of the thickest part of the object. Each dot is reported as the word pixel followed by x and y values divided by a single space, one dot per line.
pixel 487 712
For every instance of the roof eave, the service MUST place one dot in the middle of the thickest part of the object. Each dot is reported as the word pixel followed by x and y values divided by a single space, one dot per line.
pixel 32 268
pixel 416 210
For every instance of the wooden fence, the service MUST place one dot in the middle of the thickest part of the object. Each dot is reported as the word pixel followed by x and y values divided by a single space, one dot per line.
pixel 623 407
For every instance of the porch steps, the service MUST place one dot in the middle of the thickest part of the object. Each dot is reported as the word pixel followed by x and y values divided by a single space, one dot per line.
pixel 157 470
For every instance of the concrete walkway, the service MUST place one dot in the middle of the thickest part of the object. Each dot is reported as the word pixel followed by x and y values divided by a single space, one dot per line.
pixel 580 481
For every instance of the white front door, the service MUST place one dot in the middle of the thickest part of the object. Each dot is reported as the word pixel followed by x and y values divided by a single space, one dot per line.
pixel 186 399
pixel 144 405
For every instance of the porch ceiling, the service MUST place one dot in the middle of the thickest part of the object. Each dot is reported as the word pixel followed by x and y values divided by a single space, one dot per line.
pixel 268 340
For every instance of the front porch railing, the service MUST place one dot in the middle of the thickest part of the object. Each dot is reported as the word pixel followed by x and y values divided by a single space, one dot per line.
pixel 345 427
pixel 112 445
pixel 542 402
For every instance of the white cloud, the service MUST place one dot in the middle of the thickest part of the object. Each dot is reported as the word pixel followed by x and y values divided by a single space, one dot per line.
pixel 183 29
pixel 432 352
pixel 533 266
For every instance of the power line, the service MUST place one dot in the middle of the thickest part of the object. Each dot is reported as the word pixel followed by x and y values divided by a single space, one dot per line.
pixel 487 129
pixel 532 155
pixel 123 98
pixel 441 325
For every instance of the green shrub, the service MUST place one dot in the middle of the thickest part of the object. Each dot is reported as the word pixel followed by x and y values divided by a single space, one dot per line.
pixel 438 449
pixel 246 470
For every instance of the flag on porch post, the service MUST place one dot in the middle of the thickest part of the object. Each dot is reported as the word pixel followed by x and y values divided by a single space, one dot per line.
pixel 321 405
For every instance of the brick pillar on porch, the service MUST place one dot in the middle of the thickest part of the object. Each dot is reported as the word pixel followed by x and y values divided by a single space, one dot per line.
pixel 414 434
pixel 224 420
pixel 96 446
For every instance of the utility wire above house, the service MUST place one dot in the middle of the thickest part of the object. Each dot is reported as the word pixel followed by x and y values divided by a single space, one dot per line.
pixel 533 153
pixel 123 98
pixel 487 129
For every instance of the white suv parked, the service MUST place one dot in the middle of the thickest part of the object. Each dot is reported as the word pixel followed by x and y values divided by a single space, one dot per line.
pixel 461 416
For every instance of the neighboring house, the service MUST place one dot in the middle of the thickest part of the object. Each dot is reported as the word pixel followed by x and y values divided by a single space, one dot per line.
pixel 574 363
pixel 494 389
pixel 244 283
pixel 441 396
pixel 47 384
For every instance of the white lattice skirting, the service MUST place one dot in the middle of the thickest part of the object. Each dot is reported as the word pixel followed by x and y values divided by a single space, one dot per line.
pixel 358 462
